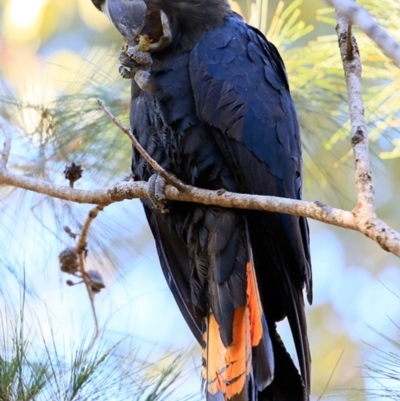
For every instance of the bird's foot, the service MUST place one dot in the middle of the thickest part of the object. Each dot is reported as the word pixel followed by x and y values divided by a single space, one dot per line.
pixel 131 69
pixel 130 66
pixel 156 186
pixel 146 81
pixel 138 53
pixel 126 72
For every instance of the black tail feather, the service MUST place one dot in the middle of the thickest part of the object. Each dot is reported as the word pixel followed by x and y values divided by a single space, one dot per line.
pixel 288 383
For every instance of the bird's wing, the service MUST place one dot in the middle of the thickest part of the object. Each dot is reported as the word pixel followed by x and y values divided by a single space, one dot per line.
pixel 174 260
pixel 241 91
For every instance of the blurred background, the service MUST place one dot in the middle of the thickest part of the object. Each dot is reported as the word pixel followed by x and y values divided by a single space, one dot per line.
pixel 56 59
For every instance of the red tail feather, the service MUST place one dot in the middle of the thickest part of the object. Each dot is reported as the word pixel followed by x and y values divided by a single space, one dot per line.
pixel 226 370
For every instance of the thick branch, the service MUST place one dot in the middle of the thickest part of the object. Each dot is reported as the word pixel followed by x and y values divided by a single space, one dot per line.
pixel 95 197
pixel 359 135
pixel 364 213
pixel 360 17
pixel 371 227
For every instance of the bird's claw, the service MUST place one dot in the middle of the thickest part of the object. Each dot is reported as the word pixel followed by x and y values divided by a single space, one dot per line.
pixel 138 69
pixel 136 60
pixel 142 58
pixel 126 72
pixel 130 66
pixel 126 61
pixel 156 186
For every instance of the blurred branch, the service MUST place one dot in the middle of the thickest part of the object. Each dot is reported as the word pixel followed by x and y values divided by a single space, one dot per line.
pixel 81 250
pixel 82 242
pixel 5 154
pixel 363 19
pixel 72 261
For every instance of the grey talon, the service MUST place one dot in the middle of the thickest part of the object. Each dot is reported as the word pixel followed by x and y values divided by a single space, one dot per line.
pixel 140 57
pixel 126 72
pixel 156 187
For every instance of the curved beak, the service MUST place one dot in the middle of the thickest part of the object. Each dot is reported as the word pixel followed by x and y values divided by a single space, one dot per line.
pixel 128 16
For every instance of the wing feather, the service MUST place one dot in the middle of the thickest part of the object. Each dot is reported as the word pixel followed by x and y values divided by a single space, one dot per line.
pixel 241 91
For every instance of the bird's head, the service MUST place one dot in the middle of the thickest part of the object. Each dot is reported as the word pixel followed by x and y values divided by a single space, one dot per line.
pixel 185 19
pixel 128 16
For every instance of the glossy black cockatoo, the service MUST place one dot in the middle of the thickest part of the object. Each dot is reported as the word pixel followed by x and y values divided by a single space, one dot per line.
pixel 211 104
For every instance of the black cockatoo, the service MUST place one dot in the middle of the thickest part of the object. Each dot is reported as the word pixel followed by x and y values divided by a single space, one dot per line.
pixel 211 104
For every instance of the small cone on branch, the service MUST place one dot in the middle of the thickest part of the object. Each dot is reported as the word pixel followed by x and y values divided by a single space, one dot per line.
pixel 68 260
pixel 73 173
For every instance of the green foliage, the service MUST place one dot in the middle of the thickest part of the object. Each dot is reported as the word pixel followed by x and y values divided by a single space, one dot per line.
pixel 72 128
pixel 48 135
pixel 29 372
pixel 318 88
pixel 384 370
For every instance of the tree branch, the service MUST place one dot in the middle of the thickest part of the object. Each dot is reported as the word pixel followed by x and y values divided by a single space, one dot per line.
pixel 81 250
pixel 372 227
pixel 364 213
pixel 72 261
pixel 359 136
pixel 364 20
pixel 5 154
pixel 82 242
pixel 169 178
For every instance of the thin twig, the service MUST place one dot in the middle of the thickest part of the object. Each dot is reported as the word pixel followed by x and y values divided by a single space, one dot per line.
pixel 359 135
pixel 169 178
pixel 5 154
pixel 363 19
pixel 81 251
pixel 86 280
pixel 82 242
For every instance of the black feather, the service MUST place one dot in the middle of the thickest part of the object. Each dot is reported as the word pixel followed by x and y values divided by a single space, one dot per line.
pixel 223 117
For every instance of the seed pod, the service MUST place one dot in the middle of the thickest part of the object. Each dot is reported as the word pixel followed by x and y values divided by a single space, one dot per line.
pixel 68 260
pixel 73 173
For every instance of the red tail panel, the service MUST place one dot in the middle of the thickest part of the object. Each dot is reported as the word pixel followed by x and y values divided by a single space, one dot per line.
pixel 226 370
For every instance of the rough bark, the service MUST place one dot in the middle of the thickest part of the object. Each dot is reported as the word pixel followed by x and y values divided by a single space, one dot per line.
pixel 366 22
